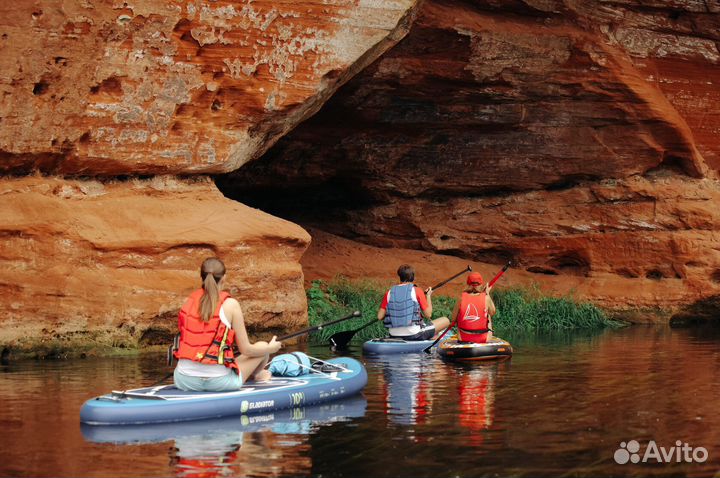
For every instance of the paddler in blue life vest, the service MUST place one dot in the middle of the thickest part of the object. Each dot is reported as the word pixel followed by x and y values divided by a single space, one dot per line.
pixel 404 306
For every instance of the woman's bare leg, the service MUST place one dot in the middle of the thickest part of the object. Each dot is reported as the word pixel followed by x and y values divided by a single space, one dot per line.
pixel 253 368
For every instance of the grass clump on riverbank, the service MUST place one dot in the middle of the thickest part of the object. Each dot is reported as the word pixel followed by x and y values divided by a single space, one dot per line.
pixel 335 299
pixel 523 309
pixel 518 309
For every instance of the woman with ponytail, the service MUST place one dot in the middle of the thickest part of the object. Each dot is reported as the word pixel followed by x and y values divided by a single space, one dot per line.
pixel 211 323
pixel 474 311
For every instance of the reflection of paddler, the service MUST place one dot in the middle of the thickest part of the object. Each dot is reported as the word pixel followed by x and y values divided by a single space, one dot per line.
pixel 207 456
pixel 406 392
pixel 476 390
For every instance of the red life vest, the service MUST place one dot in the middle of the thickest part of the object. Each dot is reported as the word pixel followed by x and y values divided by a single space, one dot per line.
pixel 473 317
pixel 208 342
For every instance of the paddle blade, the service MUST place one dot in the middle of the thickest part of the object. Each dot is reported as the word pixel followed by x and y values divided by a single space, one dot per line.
pixel 341 339
pixel 429 349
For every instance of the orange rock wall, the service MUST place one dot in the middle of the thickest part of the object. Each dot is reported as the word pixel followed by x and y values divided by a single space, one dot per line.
pixel 109 263
pixel 96 93
pixel 111 87
pixel 578 139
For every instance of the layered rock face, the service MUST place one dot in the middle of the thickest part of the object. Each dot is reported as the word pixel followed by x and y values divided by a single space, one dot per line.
pixel 108 88
pixel 115 90
pixel 578 139
pixel 110 263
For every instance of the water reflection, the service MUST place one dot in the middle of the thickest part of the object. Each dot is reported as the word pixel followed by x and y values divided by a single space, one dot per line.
pixel 410 384
pixel 404 388
pixel 476 385
pixel 560 407
pixel 236 446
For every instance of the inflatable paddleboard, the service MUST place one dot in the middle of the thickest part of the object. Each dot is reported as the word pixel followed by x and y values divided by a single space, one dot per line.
pixel 299 420
pixel 391 345
pixel 166 403
pixel 453 350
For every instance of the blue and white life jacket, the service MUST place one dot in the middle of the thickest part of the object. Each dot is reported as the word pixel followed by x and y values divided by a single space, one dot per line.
pixel 402 310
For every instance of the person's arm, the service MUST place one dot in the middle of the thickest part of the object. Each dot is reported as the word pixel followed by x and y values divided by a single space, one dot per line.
pixel 382 311
pixel 425 301
pixel 490 304
pixel 232 309
pixel 455 311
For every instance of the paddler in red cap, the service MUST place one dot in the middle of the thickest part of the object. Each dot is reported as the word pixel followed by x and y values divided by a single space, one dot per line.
pixel 474 311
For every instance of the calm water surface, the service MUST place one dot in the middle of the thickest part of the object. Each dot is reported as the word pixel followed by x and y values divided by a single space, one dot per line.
pixel 560 407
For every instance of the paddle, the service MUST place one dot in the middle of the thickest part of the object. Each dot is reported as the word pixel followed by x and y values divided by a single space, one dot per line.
pixel 318 327
pixel 341 339
pixel 490 284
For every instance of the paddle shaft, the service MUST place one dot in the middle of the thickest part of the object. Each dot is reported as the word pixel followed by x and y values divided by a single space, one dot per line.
pixel 318 327
pixel 467 269
pixel 364 326
pixel 490 284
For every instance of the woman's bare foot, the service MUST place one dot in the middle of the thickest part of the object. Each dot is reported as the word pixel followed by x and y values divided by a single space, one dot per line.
pixel 262 376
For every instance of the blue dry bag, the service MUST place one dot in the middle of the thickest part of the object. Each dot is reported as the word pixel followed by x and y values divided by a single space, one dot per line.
pixel 290 365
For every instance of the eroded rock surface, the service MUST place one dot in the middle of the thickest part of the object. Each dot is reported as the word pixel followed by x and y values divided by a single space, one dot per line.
pixel 127 88
pixel 115 90
pixel 578 139
pixel 111 263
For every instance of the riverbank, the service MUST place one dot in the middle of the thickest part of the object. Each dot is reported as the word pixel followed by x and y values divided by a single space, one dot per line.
pixel 637 300
pixel 518 309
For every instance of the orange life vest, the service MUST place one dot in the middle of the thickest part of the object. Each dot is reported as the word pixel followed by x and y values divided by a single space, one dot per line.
pixel 473 313
pixel 208 342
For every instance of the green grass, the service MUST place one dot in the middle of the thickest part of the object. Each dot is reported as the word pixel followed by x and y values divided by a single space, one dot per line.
pixel 528 309
pixel 518 309
pixel 340 297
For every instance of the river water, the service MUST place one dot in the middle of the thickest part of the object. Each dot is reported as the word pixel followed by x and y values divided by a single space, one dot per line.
pixel 562 406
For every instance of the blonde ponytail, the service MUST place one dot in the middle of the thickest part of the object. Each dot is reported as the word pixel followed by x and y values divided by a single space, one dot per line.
pixel 474 289
pixel 211 272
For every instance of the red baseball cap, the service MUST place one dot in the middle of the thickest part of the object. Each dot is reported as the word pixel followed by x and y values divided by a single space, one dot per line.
pixel 474 278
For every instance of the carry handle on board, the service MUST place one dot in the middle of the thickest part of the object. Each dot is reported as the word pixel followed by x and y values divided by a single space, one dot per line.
pixel 172 348
pixel 341 339
pixel 490 284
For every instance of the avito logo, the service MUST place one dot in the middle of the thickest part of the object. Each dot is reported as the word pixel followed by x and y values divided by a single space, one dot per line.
pixel 681 452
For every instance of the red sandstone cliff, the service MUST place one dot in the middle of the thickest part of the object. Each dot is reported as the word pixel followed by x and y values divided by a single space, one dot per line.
pixel 119 90
pixel 110 263
pixel 578 139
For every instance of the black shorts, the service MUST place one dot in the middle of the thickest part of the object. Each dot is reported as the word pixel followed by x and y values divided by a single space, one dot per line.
pixel 427 333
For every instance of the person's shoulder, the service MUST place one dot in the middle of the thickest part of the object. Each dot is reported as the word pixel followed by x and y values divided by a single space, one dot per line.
pixel 231 303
